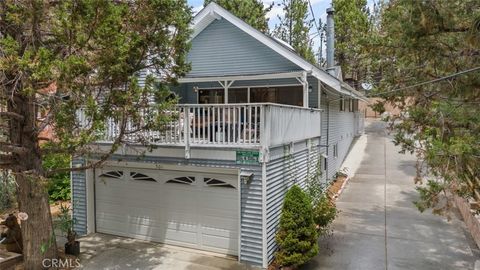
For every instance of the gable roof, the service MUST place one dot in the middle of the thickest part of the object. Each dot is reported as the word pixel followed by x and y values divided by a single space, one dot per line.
pixel 214 12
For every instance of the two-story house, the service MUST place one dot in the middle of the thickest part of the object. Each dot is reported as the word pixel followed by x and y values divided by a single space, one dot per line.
pixel 255 118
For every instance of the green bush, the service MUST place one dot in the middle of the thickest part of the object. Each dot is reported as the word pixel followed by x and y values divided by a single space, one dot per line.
pixel 297 236
pixel 324 212
pixel 58 184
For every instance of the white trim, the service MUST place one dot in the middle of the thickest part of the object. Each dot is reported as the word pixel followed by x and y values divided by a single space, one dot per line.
pixel 90 197
pixel 283 75
pixel 305 90
pixel 239 243
pixel 252 86
pixel 205 17
pixel 168 167
pixel 264 216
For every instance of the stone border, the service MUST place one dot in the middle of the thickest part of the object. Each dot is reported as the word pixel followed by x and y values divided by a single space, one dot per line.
pixel 472 222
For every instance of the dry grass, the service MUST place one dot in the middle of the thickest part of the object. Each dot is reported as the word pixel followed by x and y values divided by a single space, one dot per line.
pixel 335 188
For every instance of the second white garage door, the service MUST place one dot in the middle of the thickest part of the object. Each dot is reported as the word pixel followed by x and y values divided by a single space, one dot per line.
pixel 191 209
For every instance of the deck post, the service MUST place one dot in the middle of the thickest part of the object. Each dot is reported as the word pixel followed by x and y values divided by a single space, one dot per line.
pixel 186 131
pixel 303 80
pixel 226 84
pixel 305 90
pixel 265 129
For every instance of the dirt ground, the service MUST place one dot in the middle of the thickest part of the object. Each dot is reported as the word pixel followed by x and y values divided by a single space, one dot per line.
pixel 55 210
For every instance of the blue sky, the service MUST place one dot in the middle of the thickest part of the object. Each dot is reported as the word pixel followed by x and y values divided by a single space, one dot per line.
pixel 319 8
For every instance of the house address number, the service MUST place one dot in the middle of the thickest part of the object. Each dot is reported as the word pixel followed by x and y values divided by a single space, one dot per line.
pixel 248 157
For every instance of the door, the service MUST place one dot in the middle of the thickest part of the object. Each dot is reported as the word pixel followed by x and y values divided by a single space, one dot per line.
pixel 191 209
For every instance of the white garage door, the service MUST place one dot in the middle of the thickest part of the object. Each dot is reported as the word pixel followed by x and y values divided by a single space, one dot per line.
pixel 191 209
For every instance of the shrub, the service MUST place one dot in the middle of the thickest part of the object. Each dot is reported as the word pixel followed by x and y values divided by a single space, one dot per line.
pixel 7 191
pixel 324 212
pixel 59 183
pixel 297 236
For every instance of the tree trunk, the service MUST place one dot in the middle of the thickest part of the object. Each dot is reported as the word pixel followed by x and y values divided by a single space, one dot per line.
pixel 37 231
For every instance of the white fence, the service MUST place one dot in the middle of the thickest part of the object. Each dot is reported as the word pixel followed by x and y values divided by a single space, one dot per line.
pixel 234 125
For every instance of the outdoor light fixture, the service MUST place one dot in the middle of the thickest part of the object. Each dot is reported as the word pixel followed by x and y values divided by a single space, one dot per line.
pixel 195 89
pixel 310 88
pixel 246 178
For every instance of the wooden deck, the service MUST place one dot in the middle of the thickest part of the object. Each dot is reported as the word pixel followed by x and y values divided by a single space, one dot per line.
pixel 230 125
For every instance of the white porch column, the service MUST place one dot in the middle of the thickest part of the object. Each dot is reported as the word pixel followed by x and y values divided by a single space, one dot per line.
pixel 226 84
pixel 303 80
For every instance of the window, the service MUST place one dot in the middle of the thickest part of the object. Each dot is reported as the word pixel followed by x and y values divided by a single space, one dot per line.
pixel 112 174
pixel 290 95
pixel 324 163
pixel 355 105
pixel 141 177
pixel 342 104
pixel 185 180
pixel 350 105
pixel 211 96
pixel 211 182
pixel 335 150
pixel 237 95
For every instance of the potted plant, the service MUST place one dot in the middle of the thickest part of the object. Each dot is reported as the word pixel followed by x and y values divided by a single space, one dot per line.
pixel 65 222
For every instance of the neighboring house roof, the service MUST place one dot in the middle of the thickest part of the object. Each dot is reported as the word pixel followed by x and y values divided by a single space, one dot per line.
pixel 214 12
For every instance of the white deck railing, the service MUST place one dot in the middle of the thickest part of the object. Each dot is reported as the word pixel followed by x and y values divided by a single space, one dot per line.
pixel 230 125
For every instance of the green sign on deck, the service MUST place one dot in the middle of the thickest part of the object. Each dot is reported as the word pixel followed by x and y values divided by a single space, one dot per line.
pixel 247 157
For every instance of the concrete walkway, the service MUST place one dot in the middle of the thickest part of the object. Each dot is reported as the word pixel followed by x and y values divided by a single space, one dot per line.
pixel 380 228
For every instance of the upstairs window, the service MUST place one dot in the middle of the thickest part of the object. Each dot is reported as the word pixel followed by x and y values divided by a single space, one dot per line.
pixel 211 96
pixel 290 95
pixel 342 104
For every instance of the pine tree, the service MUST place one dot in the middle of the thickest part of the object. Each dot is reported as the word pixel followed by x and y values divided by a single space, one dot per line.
pixel 252 12
pixel 294 28
pixel 57 57
pixel 419 41
pixel 297 236
pixel 351 28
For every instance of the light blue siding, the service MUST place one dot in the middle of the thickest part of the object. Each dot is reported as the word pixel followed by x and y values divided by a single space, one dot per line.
pixel 251 249
pixel 283 171
pixel 313 94
pixel 79 198
pixel 341 132
pixel 223 49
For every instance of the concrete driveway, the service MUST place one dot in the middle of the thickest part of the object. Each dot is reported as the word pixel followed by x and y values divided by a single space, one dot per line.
pixel 101 251
pixel 379 227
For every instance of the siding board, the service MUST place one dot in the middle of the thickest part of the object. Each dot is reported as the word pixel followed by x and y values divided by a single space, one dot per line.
pixel 223 49
pixel 282 172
